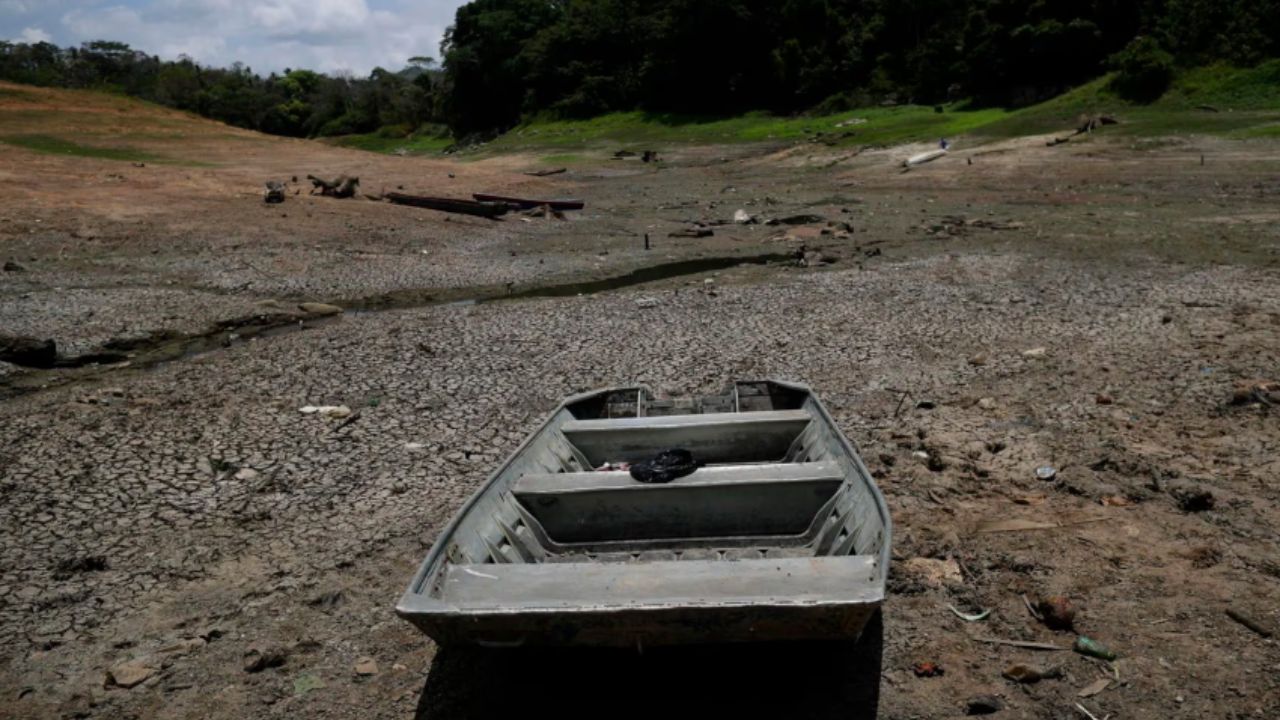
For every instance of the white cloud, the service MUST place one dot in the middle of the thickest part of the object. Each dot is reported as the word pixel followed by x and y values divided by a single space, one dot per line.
pixel 266 35
pixel 33 35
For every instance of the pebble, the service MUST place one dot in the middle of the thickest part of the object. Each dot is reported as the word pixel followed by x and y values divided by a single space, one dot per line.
pixel 132 673
pixel 366 666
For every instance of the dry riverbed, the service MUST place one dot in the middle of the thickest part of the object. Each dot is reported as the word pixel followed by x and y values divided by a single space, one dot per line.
pixel 178 540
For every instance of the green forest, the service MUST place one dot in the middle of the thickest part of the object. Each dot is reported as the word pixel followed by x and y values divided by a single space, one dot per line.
pixel 506 61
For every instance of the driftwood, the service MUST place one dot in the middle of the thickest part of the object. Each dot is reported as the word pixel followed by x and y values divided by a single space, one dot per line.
pixel 340 187
pixel 544 173
pixel 451 205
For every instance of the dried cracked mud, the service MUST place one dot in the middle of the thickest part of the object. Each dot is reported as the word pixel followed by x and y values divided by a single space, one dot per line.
pixel 178 540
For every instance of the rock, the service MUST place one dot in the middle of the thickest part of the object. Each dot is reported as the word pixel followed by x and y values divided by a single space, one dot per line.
pixel 1028 674
pixel 321 309
pixel 742 217
pixel 366 666
pixel 333 412
pixel 246 474
pixel 983 705
pixel 131 673
pixel 1035 352
pixel 1057 612
pixel 11 266
pixel 28 351
pixel 931 572
pixel 1191 497
pixel 184 646
pixel 1102 399
pixel 646 302
pixel 257 659
pixel 978 360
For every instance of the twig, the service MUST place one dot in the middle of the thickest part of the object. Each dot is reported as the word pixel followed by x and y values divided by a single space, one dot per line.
pixel 1030 608
pixel 1022 644
pixel 1084 710
pixel 350 419
pixel 1248 622
pixel 969 618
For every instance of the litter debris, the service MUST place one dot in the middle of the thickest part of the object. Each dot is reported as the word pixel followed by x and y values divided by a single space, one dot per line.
pixel 1027 674
pixel 1092 648
pixel 1249 622
pixel 334 412
pixel 1057 612
pixel 1094 688
pixel 928 669
pixel 923 158
pixel 340 187
pixel 665 467
pixel 983 705
pixel 275 192
pixel 1046 472
pixel 969 618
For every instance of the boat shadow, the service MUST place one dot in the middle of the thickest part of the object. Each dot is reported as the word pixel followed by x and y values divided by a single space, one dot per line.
pixel 767 680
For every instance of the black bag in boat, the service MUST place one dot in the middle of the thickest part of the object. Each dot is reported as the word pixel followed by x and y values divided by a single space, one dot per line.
pixel 667 466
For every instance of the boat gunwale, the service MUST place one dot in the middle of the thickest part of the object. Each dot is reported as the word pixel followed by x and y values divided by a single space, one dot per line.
pixel 415 602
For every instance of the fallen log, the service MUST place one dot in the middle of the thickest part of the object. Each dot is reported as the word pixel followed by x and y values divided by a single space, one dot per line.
pixel 544 173
pixel 451 205
pixel 526 203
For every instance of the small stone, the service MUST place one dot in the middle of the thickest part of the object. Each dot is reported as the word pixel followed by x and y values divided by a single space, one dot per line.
pixel 246 474
pixel 259 659
pixel 11 266
pixel 366 666
pixel 1035 352
pixel 646 302
pixel 322 309
pixel 978 360
pixel 1046 472
pixel 1028 674
pixel 131 673
pixel 983 705
pixel 1058 612
pixel 1104 399
pixel 1192 498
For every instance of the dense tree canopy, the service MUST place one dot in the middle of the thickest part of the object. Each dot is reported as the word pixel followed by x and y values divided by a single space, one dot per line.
pixel 504 60
pixel 507 59
pixel 295 102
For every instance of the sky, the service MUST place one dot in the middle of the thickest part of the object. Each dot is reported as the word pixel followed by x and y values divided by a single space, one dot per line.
pixel 267 35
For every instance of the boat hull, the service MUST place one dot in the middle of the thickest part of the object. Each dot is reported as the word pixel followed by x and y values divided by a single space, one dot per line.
pixel 648 627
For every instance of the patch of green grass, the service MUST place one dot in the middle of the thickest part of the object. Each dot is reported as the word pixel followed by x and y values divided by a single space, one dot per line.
pixel 635 130
pixel 59 146
pixel 374 142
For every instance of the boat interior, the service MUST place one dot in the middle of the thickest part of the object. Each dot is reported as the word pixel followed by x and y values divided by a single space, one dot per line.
pixel 778 507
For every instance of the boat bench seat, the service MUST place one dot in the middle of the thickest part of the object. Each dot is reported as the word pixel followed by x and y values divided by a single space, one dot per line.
pixel 717 501
pixel 597 585
pixel 711 437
